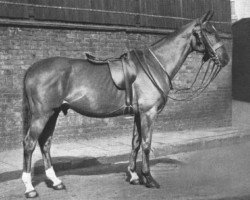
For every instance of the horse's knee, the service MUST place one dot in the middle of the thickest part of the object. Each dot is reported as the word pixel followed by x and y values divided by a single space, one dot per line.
pixel 137 147
pixel 146 147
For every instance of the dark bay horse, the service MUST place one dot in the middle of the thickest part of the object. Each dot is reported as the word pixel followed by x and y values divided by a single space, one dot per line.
pixel 56 84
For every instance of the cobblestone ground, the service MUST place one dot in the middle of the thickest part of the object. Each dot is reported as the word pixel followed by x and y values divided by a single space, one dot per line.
pixel 221 173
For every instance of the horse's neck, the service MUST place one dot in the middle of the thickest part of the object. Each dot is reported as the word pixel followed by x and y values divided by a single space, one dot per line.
pixel 172 53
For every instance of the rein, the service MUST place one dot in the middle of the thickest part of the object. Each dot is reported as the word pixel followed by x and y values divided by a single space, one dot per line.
pixel 209 55
pixel 207 79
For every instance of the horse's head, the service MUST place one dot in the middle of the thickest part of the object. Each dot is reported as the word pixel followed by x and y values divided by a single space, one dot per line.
pixel 205 39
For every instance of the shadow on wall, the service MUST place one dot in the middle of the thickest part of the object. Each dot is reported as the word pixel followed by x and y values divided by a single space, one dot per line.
pixel 241 60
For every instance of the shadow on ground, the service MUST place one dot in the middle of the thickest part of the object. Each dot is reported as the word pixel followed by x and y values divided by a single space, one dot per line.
pixel 87 166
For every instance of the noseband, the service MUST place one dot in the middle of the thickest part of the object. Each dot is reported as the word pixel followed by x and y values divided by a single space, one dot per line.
pixel 210 49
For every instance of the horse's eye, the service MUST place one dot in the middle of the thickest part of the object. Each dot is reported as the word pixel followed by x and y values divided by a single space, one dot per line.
pixel 198 38
pixel 199 42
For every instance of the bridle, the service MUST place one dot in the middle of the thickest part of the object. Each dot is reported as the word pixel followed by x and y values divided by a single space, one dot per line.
pixel 209 55
pixel 210 49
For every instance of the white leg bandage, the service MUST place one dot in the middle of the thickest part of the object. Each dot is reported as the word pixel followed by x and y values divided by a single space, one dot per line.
pixel 134 175
pixel 50 173
pixel 26 178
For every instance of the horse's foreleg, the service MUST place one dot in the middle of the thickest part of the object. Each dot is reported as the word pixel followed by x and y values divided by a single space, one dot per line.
pixel 45 144
pixel 147 130
pixel 136 142
pixel 29 144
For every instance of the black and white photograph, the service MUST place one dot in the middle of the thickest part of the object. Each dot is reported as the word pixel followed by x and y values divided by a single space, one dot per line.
pixel 125 99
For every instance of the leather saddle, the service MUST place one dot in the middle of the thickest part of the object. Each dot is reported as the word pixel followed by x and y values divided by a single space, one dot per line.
pixel 123 72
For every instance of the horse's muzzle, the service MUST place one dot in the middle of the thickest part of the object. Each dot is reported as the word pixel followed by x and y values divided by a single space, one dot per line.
pixel 222 56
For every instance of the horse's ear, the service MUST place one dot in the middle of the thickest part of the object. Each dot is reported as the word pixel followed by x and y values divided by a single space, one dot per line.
pixel 206 17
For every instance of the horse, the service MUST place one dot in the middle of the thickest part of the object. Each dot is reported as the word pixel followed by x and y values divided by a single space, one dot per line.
pixel 56 84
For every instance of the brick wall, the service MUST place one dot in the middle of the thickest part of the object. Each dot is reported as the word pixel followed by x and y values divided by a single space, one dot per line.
pixel 20 47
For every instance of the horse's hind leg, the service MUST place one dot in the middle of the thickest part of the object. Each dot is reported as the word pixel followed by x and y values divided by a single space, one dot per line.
pixel 44 141
pixel 136 142
pixel 37 125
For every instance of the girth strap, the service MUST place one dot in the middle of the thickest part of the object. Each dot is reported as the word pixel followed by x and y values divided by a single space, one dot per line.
pixel 128 90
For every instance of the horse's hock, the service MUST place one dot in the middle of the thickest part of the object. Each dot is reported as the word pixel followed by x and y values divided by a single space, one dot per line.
pixel 22 46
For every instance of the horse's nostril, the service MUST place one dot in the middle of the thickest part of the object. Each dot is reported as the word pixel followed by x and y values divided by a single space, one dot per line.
pixel 225 59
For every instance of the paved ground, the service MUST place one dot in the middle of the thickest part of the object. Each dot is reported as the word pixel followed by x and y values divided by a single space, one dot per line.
pixel 219 173
pixel 109 150
pixel 241 114
pixel 99 154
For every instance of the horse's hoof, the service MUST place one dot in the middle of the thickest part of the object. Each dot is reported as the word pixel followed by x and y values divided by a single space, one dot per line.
pixel 149 181
pixel 135 182
pixel 31 194
pixel 60 186
pixel 152 184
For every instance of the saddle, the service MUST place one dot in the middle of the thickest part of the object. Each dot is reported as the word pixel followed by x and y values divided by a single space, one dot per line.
pixel 123 73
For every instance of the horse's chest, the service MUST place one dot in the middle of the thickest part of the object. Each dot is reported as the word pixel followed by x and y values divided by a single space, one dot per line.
pixel 150 97
pixel 148 94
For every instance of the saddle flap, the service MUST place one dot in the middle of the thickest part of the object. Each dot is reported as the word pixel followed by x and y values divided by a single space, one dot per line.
pixel 118 73
pixel 120 68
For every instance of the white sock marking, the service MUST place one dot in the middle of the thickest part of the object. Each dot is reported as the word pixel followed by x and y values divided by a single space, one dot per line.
pixel 133 175
pixel 50 173
pixel 26 178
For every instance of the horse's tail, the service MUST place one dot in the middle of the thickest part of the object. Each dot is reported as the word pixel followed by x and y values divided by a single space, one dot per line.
pixel 26 110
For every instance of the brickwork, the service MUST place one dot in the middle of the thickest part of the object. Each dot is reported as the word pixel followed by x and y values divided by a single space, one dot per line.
pixel 20 47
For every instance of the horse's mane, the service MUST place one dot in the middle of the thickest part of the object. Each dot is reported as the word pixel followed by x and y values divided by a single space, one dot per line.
pixel 180 31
